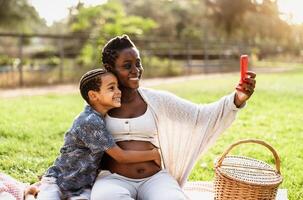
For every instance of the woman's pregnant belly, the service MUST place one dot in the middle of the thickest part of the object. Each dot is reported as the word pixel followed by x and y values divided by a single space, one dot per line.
pixel 134 170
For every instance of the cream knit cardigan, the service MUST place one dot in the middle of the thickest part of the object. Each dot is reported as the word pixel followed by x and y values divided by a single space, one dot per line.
pixel 185 129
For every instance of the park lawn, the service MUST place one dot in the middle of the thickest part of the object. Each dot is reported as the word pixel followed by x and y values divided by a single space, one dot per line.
pixel 32 128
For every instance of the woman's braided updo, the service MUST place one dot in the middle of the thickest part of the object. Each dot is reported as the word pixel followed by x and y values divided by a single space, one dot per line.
pixel 112 48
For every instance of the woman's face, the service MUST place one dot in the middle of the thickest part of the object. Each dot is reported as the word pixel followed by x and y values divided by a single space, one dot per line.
pixel 128 68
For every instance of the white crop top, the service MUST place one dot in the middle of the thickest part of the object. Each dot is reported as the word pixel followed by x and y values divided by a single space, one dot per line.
pixel 142 128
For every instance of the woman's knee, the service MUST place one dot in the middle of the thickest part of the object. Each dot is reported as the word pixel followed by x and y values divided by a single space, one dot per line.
pixel 176 195
pixel 101 194
pixel 161 186
pixel 110 192
pixel 110 195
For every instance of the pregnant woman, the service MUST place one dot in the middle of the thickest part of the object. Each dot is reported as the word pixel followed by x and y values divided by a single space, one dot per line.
pixel 148 118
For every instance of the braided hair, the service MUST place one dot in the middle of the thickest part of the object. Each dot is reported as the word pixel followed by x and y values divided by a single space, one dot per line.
pixel 112 48
pixel 91 80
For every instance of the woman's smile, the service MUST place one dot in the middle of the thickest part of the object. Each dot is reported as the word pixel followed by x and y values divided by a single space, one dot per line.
pixel 134 79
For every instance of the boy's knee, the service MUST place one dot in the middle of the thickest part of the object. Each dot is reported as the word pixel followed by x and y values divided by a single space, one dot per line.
pixel 49 191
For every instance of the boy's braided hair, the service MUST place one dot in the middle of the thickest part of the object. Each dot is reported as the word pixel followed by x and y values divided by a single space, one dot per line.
pixel 91 80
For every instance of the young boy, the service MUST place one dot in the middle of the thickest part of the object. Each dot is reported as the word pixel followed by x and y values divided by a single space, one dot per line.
pixel 74 171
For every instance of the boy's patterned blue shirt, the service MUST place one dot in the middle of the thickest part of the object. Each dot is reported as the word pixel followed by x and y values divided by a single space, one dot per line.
pixel 84 145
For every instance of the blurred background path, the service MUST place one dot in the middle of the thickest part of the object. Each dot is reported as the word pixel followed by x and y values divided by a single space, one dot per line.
pixel 73 88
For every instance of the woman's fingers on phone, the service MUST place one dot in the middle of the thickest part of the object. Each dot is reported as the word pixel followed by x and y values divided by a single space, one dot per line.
pixel 251 74
pixel 250 81
pixel 240 88
pixel 249 91
pixel 248 88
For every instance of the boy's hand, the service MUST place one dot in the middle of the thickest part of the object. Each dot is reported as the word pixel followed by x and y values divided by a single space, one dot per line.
pixel 31 191
pixel 246 89
pixel 157 157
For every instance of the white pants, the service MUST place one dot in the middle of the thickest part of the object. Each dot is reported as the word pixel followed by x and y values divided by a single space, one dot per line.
pixel 161 186
pixel 49 190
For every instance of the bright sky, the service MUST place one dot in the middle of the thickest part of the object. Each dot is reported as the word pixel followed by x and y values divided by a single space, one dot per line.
pixel 293 9
pixel 55 10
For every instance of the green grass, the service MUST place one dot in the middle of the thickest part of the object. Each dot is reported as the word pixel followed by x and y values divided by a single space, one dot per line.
pixel 32 128
pixel 275 64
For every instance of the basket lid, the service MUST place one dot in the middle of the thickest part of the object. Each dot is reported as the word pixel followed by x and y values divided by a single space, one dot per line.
pixel 249 170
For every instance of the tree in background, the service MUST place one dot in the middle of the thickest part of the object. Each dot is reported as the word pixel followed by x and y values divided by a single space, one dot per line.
pixel 298 35
pixel 229 16
pixel 102 22
pixel 19 16
pixel 264 28
pixel 256 23
pixel 251 22
pixel 16 16
pixel 177 20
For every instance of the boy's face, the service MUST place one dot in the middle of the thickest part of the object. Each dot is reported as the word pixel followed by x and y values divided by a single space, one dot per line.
pixel 109 95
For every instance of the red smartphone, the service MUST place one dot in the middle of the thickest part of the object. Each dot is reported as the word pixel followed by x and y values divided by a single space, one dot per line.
pixel 243 69
pixel 244 66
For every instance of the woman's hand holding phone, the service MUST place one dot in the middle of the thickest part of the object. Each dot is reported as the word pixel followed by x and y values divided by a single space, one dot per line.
pixel 247 83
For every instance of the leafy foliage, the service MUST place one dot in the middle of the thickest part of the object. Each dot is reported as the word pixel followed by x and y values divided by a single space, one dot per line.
pixel 229 15
pixel 104 21
pixel 252 22
pixel 176 19
pixel 19 15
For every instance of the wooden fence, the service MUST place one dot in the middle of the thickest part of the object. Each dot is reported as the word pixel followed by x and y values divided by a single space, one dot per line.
pixel 29 51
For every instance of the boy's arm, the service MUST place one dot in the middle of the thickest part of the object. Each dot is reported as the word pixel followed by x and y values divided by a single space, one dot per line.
pixel 96 137
pixel 130 156
pixel 32 191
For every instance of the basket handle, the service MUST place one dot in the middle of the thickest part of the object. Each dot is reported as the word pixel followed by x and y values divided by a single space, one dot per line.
pixel 277 159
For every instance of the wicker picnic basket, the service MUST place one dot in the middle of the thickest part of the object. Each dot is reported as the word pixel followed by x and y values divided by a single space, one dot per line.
pixel 239 177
